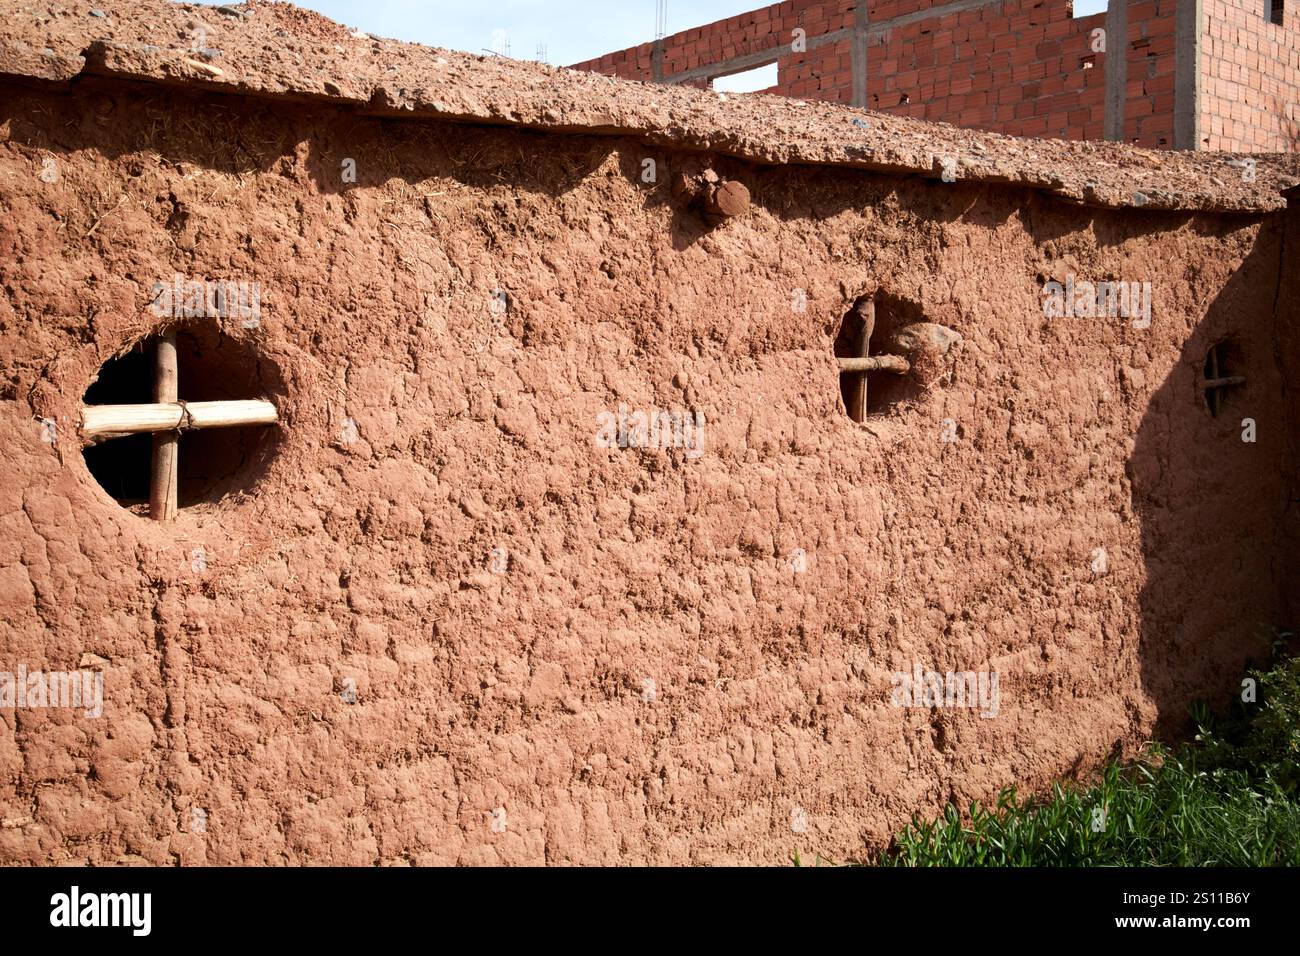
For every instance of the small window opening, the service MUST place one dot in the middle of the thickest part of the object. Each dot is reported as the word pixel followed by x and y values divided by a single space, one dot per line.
pixel 1086 8
pixel 222 436
pixel 872 379
pixel 749 81
pixel 1275 11
pixel 1217 376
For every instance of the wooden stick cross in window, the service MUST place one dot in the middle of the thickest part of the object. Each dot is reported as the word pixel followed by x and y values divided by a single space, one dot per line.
pixel 865 308
pixel 166 418
pixel 1215 383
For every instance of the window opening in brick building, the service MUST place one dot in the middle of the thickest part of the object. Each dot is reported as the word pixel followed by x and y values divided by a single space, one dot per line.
pixel 750 81
pixel 1086 8
pixel 1275 11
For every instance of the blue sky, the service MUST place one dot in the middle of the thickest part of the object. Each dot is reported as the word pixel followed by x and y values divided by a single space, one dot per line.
pixel 572 30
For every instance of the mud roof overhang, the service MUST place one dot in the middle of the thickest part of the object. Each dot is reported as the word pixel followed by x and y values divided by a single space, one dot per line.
pixel 276 50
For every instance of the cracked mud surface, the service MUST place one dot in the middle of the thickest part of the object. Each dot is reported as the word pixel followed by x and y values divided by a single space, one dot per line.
pixel 615 647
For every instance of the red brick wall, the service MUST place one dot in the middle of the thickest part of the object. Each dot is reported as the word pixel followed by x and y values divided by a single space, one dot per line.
pixel 825 73
pixel 816 74
pixel 631 64
pixel 1018 66
pixel 1250 78
pixel 1149 101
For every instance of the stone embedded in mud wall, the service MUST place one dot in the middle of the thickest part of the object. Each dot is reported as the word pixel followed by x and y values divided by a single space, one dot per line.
pixel 925 344
pixel 925 338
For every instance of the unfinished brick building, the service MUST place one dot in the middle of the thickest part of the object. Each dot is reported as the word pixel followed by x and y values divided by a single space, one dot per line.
pixel 427 610
pixel 1181 74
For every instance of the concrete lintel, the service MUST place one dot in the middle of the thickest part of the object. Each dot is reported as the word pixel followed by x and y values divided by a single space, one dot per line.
pixel 753 60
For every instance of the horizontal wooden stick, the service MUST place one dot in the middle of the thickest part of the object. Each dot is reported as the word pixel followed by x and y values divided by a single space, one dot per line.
pixel 876 363
pixel 100 422
pixel 1224 382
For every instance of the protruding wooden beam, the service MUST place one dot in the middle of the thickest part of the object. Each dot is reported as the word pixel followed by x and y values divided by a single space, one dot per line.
pixel 101 422
pixel 726 201
pixel 166 444
pixel 718 199
pixel 875 363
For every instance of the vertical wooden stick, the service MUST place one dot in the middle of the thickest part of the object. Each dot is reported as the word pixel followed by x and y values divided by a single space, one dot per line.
pixel 857 403
pixel 1214 374
pixel 166 445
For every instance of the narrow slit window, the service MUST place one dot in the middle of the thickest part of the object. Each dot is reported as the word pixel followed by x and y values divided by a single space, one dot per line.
pixel 1218 377
pixel 857 364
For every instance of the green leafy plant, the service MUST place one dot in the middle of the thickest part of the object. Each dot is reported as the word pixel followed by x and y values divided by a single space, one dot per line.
pixel 1230 797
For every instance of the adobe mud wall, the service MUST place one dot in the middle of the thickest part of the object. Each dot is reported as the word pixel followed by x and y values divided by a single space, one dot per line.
pixel 1288 350
pixel 435 621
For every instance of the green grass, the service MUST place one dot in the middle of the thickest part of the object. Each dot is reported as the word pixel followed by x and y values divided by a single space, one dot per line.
pixel 1230 797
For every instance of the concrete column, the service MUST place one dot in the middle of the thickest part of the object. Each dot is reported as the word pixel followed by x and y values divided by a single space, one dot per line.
pixel 1187 74
pixel 1116 85
pixel 858 55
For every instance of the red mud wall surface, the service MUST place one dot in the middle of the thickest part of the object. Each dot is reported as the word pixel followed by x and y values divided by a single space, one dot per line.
pixel 1288 348
pixel 1022 67
pixel 642 670
pixel 1250 75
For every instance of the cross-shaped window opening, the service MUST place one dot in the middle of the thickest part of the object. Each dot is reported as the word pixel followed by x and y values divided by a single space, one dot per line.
pixel 176 419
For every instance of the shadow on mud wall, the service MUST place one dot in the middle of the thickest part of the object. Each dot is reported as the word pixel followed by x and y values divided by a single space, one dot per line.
pixel 240 134
pixel 348 150
pixel 1210 502
pixel 124 119
pixel 1288 351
